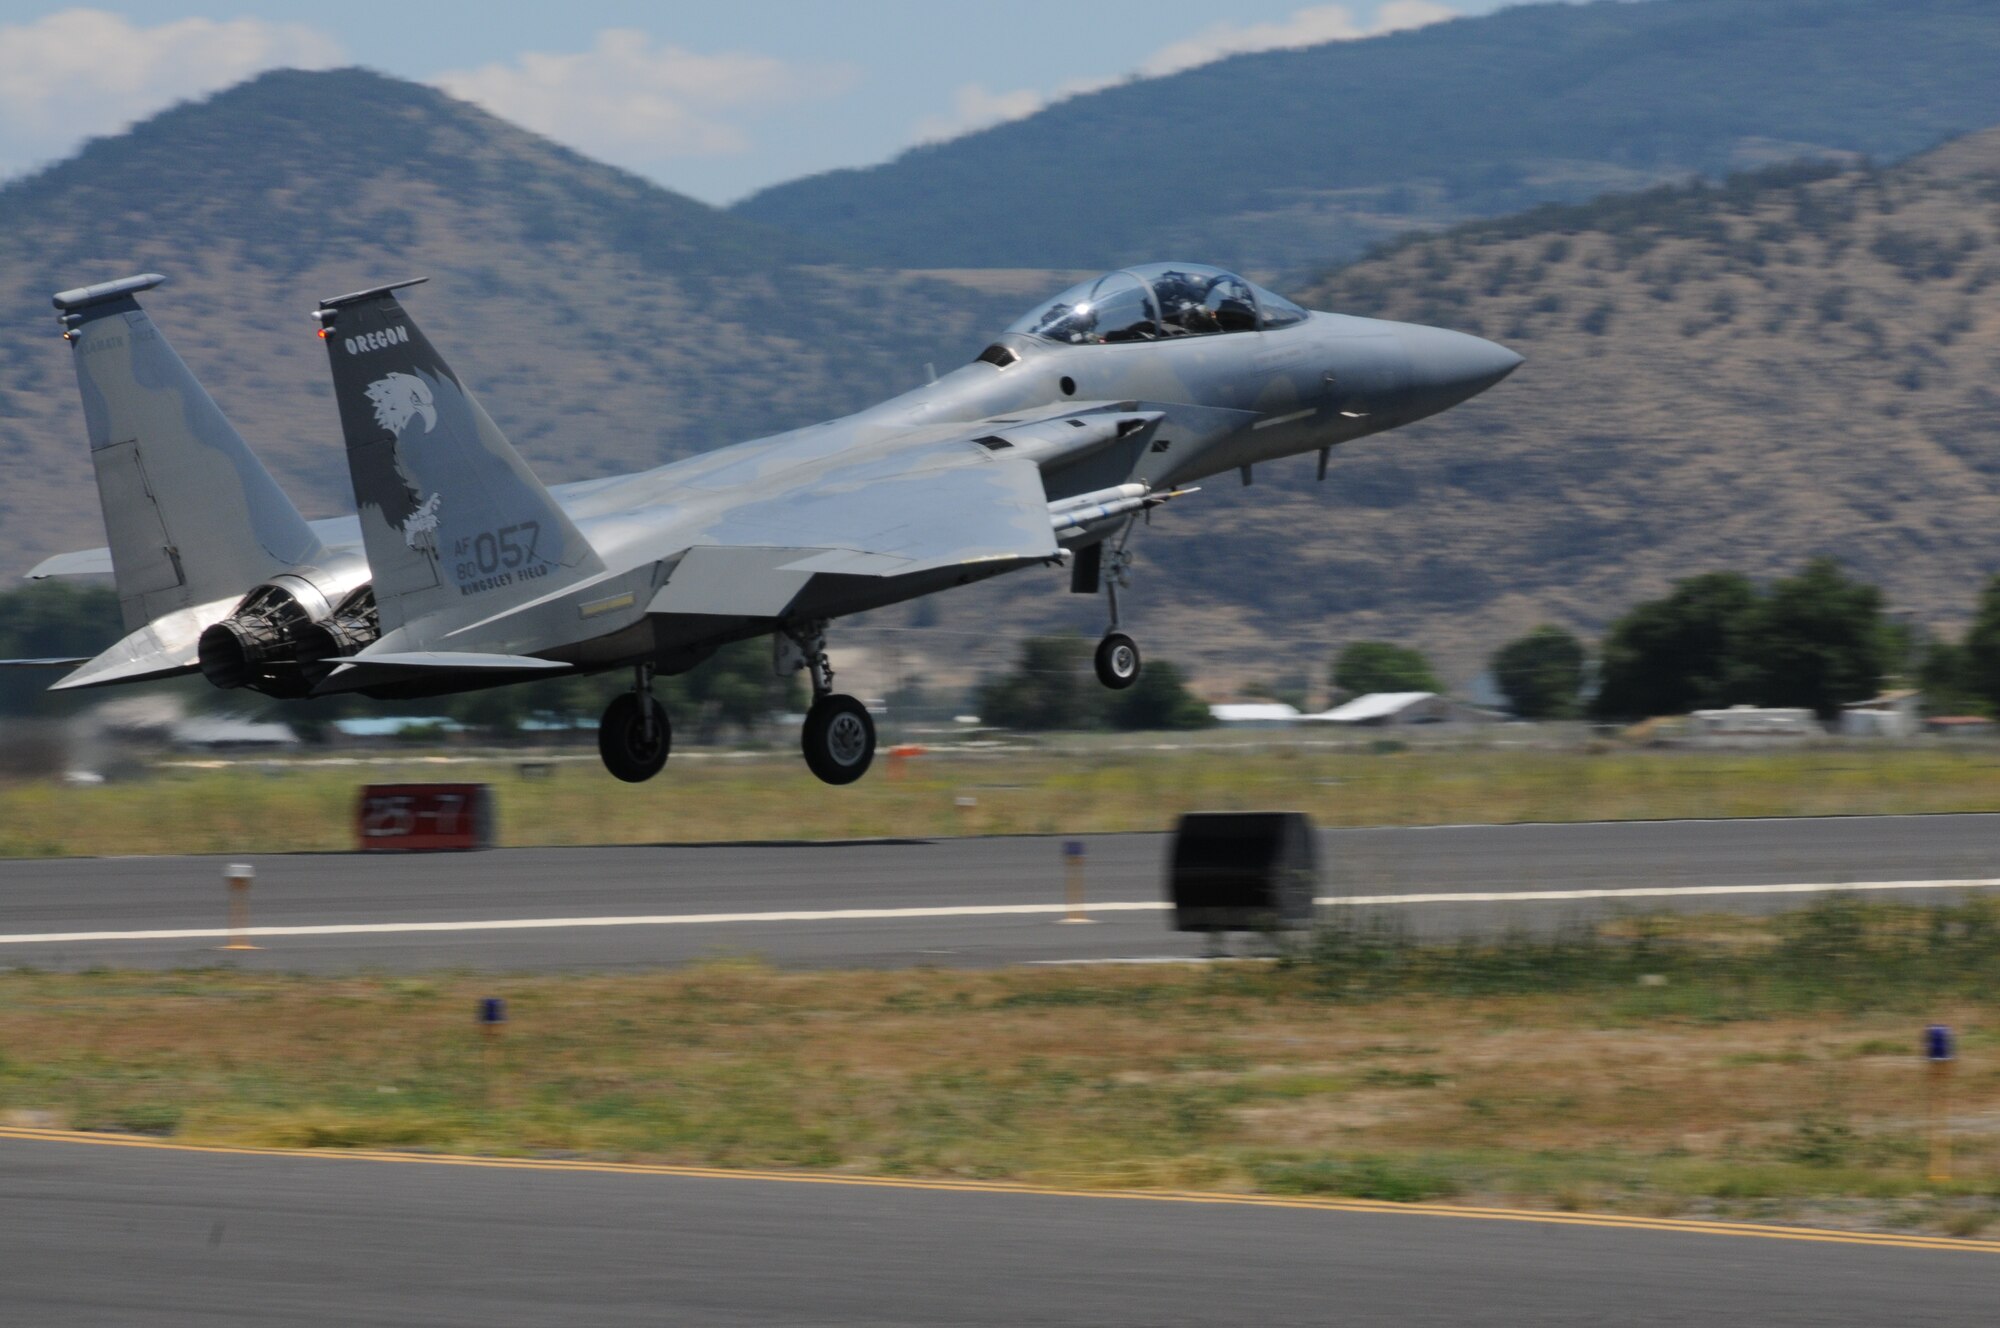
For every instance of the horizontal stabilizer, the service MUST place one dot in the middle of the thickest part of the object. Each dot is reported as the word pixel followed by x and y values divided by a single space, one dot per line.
pixel 84 562
pixel 163 648
pixel 166 647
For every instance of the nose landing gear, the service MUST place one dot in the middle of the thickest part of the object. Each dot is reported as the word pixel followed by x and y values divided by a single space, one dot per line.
pixel 1117 660
pixel 839 734
pixel 634 736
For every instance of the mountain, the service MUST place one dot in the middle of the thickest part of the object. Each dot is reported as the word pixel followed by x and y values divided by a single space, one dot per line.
pixel 1285 159
pixel 609 324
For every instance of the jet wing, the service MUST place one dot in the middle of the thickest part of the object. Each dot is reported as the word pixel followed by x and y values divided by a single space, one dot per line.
pixel 888 515
pixel 907 514
pixel 971 492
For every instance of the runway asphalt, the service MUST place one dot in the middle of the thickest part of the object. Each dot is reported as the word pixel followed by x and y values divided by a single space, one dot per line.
pixel 943 902
pixel 115 1235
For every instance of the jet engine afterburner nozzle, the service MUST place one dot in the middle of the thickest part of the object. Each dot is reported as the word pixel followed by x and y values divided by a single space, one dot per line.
pixel 278 630
pixel 262 631
pixel 230 651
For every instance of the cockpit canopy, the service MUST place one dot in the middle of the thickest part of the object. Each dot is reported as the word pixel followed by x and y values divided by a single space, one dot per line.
pixel 1158 302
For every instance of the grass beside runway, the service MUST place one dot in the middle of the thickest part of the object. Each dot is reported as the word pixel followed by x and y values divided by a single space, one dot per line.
pixel 1734 1067
pixel 1088 787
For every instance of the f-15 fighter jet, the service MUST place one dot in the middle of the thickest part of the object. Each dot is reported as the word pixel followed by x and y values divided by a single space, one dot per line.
pixel 461 570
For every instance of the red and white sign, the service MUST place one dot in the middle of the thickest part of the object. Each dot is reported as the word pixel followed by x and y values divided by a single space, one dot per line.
pixel 424 818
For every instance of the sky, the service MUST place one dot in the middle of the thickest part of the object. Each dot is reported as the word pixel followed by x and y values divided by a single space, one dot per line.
pixel 715 98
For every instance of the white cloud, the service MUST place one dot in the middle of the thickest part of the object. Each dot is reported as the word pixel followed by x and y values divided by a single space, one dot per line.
pixel 977 107
pixel 80 72
pixel 1305 27
pixel 637 103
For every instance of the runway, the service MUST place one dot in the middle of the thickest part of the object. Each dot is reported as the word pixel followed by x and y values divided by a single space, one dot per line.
pixel 109 1235
pixel 942 902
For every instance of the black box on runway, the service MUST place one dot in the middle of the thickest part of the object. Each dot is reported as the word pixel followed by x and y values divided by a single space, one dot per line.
pixel 1243 871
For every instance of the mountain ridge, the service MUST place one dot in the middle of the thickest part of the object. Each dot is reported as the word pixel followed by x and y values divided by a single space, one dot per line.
pixel 1283 159
pixel 383 124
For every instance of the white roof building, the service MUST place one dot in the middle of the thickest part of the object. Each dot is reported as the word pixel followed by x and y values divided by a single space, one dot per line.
pixel 1386 709
pixel 232 731
pixel 1254 712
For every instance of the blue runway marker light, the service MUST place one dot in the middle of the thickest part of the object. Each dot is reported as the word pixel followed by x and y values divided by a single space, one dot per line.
pixel 493 1010
pixel 1937 1043
pixel 1073 849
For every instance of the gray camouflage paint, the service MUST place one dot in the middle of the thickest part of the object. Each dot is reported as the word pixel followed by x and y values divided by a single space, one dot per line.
pixel 192 514
pixel 897 501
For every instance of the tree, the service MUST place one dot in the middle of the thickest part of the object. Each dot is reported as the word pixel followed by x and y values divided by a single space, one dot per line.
pixel 733 688
pixel 1541 673
pixel 1948 680
pixel 1684 652
pixel 1379 666
pixel 1159 700
pixel 1817 640
pixel 1050 688
pixel 1981 665
pixel 1814 640
pixel 51 620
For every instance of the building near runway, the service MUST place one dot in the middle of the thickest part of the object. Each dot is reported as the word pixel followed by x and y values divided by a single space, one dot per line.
pixel 1383 710
pixel 1254 714
pixel 1754 726
pixel 1896 714
pixel 1375 710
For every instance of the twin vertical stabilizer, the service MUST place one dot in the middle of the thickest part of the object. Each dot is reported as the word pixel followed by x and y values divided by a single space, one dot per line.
pixel 454 523
pixel 193 517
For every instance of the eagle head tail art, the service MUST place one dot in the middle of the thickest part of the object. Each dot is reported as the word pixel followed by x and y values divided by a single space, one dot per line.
pixel 399 396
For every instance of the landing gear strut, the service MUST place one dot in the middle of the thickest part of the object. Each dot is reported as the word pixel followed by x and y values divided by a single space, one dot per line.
pixel 634 736
pixel 1117 659
pixel 839 735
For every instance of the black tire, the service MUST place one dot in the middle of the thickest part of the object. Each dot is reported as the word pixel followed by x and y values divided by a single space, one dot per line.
pixel 1117 661
pixel 621 739
pixel 839 739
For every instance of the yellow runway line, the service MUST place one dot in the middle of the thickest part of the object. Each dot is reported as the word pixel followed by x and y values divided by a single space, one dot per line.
pixel 1685 1226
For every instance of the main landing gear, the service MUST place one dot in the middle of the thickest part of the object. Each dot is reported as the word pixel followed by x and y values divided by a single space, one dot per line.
pixel 634 736
pixel 839 735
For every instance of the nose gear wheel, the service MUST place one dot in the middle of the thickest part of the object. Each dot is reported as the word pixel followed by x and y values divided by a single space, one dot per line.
pixel 1117 661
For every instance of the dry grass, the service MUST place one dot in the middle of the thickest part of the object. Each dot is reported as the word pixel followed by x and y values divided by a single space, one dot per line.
pixel 1249 1077
pixel 1077 787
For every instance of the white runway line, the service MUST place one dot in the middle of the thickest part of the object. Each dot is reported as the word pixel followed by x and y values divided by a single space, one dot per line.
pixel 957 911
pixel 1660 892
pixel 546 924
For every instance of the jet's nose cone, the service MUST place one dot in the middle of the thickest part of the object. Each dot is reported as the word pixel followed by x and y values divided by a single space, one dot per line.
pixel 1451 366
